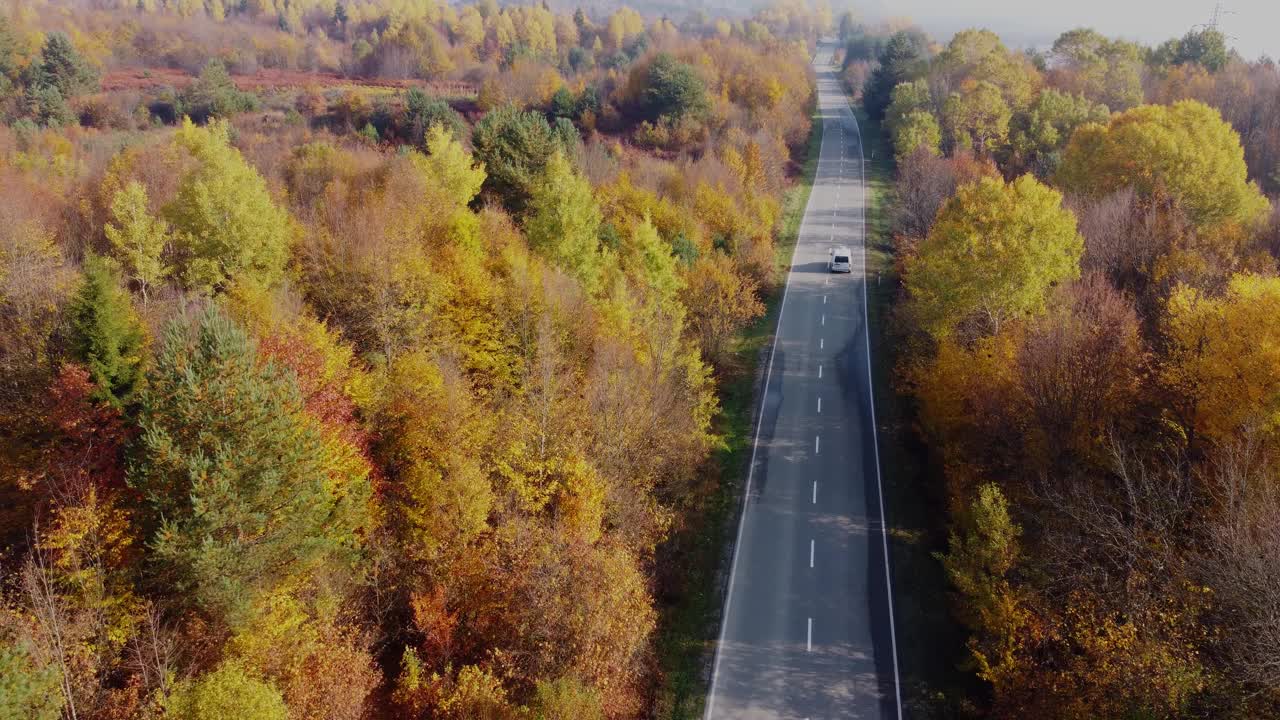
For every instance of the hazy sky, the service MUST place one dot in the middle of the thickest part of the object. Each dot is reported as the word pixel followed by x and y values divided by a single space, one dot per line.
pixel 1253 26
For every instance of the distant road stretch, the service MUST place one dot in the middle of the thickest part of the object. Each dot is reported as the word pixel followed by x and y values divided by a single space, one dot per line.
pixel 808 627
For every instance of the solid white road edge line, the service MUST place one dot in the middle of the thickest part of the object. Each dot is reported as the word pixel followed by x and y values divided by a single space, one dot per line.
pixel 875 435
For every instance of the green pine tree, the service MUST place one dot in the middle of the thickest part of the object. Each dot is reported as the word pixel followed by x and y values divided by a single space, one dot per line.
pixel 247 495
pixel 515 146
pixel 60 65
pixel 106 334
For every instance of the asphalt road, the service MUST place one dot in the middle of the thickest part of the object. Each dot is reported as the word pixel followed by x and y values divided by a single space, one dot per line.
pixel 808 628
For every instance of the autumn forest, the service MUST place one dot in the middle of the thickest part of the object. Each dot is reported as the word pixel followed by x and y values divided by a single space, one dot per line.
pixel 359 359
pixel 393 358
pixel 1086 338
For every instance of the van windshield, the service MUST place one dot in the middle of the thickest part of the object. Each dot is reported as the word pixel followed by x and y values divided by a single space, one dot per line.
pixel 842 258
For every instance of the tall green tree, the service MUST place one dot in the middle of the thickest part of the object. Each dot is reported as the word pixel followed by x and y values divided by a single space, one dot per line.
pixel 975 56
pixel 1038 136
pixel 138 238
pixel 1206 47
pixel 515 146
pixel 907 98
pixel 649 259
pixel 673 89
pixel 28 689
pixel 423 112
pixel 917 129
pixel 982 552
pixel 106 334
pixel 564 222
pixel 45 106
pixel 1185 151
pixel 227 225
pixel 247 495
pixel 452 167
pixel 1104 70
pixel 903 59
pixel 59 65
pixel 8 55
pixel 978 117
pixel 214 95
pixel 993 254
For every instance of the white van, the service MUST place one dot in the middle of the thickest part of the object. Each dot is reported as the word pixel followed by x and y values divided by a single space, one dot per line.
pixel 839 262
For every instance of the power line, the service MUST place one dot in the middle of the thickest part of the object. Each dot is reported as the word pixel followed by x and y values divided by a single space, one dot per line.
pixel 1215 20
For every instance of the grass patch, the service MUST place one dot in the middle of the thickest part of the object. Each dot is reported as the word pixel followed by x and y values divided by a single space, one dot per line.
pixel 695 562
pixel 795 201
pixel 931 644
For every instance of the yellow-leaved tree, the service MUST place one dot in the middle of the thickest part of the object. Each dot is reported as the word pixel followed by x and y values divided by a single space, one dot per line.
pixel 564 222
pixel 138 238
pixel 1185 150
pixel 983 550
pixel 1225 356
pixel 993 253
pixel 226 223
pixel 977 117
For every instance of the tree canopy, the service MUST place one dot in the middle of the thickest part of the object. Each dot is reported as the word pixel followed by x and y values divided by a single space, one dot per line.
pixel 248 495
pixel 106 333
pixel 227 226
pixel 1039 136
pixel 993 253
pixel 226 692
pixel 138 239
pixel 1225 354
pixel 1101 69
pixel 564 222
pixel 424 112
pixel 60 66
pixel 978 117
pixel 515 146
pixel 1185 150
pixel 902 60
pixel 673 89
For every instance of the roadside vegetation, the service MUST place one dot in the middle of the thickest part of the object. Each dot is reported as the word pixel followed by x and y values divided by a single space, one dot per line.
pixel 705 552
pixel 1085 261
pixel 395 361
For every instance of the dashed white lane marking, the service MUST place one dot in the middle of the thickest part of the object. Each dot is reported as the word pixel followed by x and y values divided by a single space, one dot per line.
pixel 815 493
pixel 816 443
pixel 824 318
pixel 808 640
pixel 811 553
pixel 824 299
pixel 819 406
pixel 819 372
pixel 821 343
